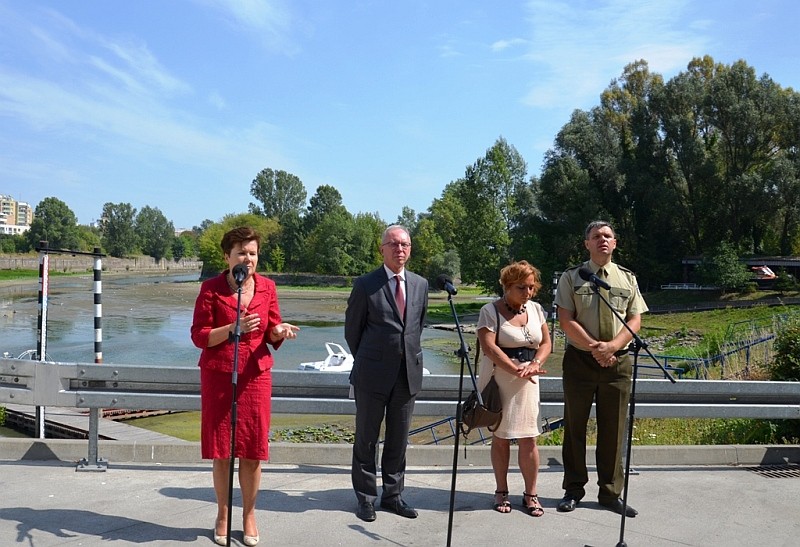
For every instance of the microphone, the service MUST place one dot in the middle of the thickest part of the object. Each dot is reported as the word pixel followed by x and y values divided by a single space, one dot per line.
pixel 587 275
pixel 239 274
pixel 444 283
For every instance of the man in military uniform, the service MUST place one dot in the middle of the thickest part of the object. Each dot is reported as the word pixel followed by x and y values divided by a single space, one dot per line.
pixel 597 368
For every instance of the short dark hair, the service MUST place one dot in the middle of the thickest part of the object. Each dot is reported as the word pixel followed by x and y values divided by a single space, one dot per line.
pixel 594 225
pixel 242 235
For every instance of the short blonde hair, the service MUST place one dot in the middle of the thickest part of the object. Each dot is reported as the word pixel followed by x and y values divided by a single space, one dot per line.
pixel 519 271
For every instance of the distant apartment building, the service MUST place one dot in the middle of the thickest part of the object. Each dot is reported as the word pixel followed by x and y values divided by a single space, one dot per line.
pixel 15 216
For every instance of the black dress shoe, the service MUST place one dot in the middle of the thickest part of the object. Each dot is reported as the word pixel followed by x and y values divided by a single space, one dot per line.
pixel 567 504
pixel 366 511
pixel 397 505
pixel 616 506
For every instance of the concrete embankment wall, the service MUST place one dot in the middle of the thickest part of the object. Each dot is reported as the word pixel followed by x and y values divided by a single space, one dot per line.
pixel 69 263
pixel 19 449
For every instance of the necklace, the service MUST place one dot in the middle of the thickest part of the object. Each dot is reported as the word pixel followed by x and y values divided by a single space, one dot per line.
pixel 512 310
pixel 235 289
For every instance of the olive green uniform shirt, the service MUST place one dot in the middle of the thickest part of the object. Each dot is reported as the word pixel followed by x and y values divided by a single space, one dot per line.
pixel 578 296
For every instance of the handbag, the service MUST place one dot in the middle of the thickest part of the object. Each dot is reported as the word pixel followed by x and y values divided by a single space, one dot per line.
pixel 484 408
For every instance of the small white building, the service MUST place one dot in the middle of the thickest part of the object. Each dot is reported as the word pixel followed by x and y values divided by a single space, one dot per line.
pixel 13 229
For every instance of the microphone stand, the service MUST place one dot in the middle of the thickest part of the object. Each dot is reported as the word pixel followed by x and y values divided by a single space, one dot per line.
pixel 462 352
pixel 234 338
pixel 636 345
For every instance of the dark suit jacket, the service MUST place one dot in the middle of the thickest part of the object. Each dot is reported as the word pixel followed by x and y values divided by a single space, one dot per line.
pixel 378 337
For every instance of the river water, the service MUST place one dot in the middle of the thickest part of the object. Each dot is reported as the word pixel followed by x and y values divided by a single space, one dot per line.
pixel 146 320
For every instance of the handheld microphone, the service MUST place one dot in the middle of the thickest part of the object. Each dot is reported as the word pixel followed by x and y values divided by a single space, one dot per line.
pixel 587 275
pixel 239 274
pixel 444 283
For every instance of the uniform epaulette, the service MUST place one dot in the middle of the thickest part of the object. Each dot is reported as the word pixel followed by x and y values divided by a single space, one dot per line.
pixel 574 267
pixel 624 269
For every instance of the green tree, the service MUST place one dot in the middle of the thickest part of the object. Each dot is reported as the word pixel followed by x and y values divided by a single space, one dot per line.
pixel 690 148
pixel 155 233
pixel 427 251
pixel 408 219
pixel 277 259
pixel 54 222
pixel 364 243
pixel 785 282
pixel 723 269
pixel 292 240
pixel 488 191
pixel 328 250
pixel 202 227
pixel 278 192
pixel 117 229
pixel 14 244
pixel 447 214
pixel 326 201
pixel 210 251
pixel 676 167
pixel 783 176
pixel 567 193
pixel 185 245
pixel 89 237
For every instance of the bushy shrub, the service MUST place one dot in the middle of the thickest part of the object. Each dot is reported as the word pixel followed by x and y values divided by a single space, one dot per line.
pixel 786 364
pixel 785 282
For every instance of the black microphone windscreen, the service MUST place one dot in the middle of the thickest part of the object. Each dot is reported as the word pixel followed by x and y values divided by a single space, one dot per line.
pixel 585 273
pixel 442 281
pixel 239 273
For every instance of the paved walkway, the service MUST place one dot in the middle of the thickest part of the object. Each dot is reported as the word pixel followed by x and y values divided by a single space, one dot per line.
pixel 47 503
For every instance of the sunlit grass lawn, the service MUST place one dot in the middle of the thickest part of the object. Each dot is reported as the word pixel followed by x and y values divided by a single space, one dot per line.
pixel 339 429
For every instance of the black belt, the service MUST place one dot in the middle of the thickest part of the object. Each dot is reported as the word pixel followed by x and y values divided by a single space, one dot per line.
pixel 522 355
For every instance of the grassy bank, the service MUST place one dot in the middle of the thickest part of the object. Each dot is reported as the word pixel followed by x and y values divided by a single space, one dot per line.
pixel 647 431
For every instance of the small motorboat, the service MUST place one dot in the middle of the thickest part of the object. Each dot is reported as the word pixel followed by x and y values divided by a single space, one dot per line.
pixel 338 360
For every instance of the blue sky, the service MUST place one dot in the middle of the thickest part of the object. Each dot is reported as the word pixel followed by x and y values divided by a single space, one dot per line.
pixel 178 104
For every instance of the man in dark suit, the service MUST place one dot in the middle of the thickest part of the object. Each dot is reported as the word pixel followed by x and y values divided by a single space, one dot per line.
pixel 383 326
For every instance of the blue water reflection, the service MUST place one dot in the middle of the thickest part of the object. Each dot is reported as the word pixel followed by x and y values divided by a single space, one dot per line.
pixel 146 320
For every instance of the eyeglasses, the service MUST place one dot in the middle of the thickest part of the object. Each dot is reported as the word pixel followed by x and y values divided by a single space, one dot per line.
pixel 398 244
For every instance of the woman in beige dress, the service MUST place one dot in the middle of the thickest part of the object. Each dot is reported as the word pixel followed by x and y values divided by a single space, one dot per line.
pixel 515 343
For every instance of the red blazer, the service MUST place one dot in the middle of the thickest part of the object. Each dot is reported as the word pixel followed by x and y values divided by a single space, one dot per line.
pixel 216 306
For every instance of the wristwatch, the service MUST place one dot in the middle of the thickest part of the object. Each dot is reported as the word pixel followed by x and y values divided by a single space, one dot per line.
pixel 536 360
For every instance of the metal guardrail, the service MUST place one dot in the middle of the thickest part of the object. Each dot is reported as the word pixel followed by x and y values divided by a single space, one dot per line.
pixel 117 386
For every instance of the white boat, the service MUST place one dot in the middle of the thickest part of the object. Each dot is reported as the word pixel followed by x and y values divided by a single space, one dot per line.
pixel 338 360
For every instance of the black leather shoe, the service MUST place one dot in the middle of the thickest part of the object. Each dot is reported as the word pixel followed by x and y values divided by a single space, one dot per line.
pixel 397 505
pixel 567 504
pixel 616 506
pixel 366 511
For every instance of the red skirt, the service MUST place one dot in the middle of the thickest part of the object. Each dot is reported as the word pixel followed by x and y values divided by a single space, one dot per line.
pixel 253 410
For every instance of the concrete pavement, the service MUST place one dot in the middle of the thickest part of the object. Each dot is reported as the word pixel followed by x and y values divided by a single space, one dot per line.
pixel 727 501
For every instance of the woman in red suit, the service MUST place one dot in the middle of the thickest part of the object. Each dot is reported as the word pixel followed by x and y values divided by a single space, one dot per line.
pixel 260 324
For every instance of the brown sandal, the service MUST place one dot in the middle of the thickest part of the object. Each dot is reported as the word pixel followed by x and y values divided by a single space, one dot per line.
pixel 535 508
pixel 505 503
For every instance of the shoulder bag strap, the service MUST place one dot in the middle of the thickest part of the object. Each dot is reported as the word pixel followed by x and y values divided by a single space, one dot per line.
pixel 478 348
